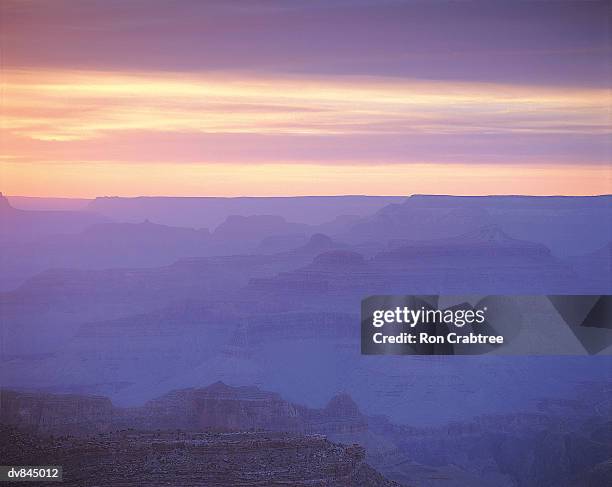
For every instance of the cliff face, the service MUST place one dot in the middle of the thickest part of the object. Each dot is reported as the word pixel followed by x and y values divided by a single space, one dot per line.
pixel 484 243
pixel 218 408
pixel 56 413
pixel 5 206
pixel 194 459
pixel 339 417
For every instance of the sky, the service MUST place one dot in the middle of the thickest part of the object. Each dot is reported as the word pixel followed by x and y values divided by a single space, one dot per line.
pixel 263 98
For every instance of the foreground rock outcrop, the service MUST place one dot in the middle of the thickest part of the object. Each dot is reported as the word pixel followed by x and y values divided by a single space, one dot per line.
pixel 565 442
pixel 136 458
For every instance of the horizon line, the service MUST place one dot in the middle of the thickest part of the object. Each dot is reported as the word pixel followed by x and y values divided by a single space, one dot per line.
pixel 492 195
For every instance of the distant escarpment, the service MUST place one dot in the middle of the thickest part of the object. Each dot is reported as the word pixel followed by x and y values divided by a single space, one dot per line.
pixel 26 225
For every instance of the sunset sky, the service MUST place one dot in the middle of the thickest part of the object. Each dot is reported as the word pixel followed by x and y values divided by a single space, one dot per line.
pixel 305 97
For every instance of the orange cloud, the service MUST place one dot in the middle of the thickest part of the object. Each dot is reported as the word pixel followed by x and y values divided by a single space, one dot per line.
pixel 67 106
pixel 80 133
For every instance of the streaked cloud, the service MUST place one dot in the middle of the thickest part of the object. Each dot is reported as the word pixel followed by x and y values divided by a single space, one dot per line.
pixel 552 42
pixel 221 97
pixel 79 105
